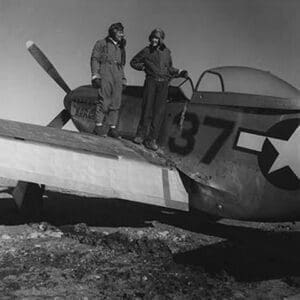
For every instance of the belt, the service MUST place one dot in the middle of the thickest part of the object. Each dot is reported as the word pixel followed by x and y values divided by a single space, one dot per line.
pixel 160 79
pixel 114 62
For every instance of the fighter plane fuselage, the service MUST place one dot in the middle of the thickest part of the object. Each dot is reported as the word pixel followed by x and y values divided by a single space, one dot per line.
pixel 241 156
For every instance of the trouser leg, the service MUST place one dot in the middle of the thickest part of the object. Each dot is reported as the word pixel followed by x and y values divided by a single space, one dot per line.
pixel 114 107
pixel 103 101
pixel 99 116
pixel 112 117
pixel 147 107
pixel 159 109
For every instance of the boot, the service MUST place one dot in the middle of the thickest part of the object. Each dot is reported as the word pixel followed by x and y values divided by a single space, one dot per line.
pixel 114 133
pixel 100 131
pixel 138 140
pixel 151 144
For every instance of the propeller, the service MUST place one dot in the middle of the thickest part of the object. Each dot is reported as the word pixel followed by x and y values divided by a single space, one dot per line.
pixel 44 62
pixel 63 117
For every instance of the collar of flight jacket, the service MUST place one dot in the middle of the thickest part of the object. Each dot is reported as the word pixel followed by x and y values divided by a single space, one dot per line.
pixel 111 40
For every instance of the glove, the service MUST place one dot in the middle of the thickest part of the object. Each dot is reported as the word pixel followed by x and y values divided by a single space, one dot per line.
pixel 184 74
pixel 124 86
pixel 96 83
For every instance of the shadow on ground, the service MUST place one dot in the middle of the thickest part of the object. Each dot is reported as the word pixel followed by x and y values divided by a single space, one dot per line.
pixel 248 254
pixel 62 208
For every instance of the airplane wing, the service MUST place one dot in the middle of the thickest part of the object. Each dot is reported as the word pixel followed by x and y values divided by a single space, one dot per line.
pixel 86 163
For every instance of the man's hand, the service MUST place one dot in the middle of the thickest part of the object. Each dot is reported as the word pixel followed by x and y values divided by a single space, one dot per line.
pixel 96 83
pixel 184 74
pixel 124 86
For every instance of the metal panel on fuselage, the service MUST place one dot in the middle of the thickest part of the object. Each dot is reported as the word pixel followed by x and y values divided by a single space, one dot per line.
pixel 81 104
pixel 231 150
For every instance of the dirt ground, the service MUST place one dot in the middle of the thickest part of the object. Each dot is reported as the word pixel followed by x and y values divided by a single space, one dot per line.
pixel 89 248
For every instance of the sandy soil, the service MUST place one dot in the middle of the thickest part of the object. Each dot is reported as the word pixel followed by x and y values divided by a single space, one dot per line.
pixel 89 248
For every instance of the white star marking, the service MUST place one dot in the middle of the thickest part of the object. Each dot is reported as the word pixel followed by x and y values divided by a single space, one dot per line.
pixel 288 153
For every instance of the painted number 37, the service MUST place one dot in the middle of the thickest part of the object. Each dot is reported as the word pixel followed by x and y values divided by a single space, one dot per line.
pixel 188 134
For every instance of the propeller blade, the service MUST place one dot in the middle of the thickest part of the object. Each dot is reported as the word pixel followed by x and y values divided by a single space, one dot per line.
pixel 60 120
pixel 43 61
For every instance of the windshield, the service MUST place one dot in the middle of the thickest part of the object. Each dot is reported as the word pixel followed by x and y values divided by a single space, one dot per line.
pixel 181 88
pixel 246 81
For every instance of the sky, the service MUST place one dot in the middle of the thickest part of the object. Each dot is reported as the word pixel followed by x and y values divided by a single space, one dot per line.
pixel 201 34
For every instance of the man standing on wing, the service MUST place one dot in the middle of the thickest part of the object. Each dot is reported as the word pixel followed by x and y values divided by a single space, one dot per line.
pixel 155 60
pixel 107 67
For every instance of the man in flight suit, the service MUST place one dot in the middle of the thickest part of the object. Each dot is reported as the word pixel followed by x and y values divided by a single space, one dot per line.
pixel 155 60
pixel 107 67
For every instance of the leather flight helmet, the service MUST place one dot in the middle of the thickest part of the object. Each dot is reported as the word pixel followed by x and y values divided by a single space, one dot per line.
pixel 115 27
pixel 158 33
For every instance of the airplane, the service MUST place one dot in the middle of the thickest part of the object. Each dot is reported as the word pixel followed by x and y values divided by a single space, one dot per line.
pixel 229 146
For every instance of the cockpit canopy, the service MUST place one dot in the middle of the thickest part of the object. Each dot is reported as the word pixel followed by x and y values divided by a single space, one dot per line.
pixel 245 80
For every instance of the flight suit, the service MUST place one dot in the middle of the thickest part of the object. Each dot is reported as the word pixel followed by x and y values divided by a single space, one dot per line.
pixel 108 65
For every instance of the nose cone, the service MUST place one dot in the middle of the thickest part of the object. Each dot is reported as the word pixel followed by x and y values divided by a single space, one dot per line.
pixel 84 94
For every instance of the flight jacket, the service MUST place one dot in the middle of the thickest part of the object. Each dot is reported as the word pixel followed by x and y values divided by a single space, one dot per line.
pixel 155 62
